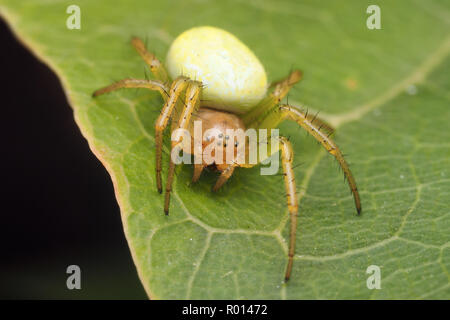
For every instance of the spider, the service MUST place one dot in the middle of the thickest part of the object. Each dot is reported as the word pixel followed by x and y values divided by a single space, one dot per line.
pixel 224 85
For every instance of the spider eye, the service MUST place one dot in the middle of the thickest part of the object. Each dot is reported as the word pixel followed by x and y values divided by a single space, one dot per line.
pixel 220 135
pixel 236 143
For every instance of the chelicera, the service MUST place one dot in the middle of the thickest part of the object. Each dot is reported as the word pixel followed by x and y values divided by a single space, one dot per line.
pixel 213 77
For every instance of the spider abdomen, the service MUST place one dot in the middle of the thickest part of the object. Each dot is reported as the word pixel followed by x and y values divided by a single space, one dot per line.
pixel 234 79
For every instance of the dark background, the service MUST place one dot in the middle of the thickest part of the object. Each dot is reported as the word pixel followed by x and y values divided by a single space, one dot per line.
pixel 57 201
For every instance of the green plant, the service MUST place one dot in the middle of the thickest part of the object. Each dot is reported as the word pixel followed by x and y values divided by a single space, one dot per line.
pixel 386 91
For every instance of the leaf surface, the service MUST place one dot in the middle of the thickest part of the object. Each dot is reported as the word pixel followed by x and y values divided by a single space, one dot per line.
pixel 387 91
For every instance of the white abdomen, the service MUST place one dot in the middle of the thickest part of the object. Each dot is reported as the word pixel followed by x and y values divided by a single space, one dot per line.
pixel 234 78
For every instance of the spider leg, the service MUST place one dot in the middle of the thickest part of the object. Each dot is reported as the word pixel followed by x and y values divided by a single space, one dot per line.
pixel 198 169
pixel 178 85
pixel 320 123
pixel 291 113
pixel 281 89
pixel 134 83
pixel 192 102
pixel 224 176
pixel 287 157
pixel 150 59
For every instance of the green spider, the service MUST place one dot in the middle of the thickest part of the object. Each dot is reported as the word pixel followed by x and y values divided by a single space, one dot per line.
pixel 224 84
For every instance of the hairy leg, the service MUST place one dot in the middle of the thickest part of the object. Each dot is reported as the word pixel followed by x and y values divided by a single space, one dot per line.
pixel 291 113
pixel 150 59
pixel 192 102
pixel 281 89
pixel 176 89
pixel 313 126
pixel 319 123
pixel 287 157
pixel 134 83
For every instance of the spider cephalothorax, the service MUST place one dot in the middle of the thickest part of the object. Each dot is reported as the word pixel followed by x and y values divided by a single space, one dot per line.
pixel 214 76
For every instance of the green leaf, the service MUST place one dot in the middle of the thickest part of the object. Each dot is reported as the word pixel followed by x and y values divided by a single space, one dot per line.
pixel 387 91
